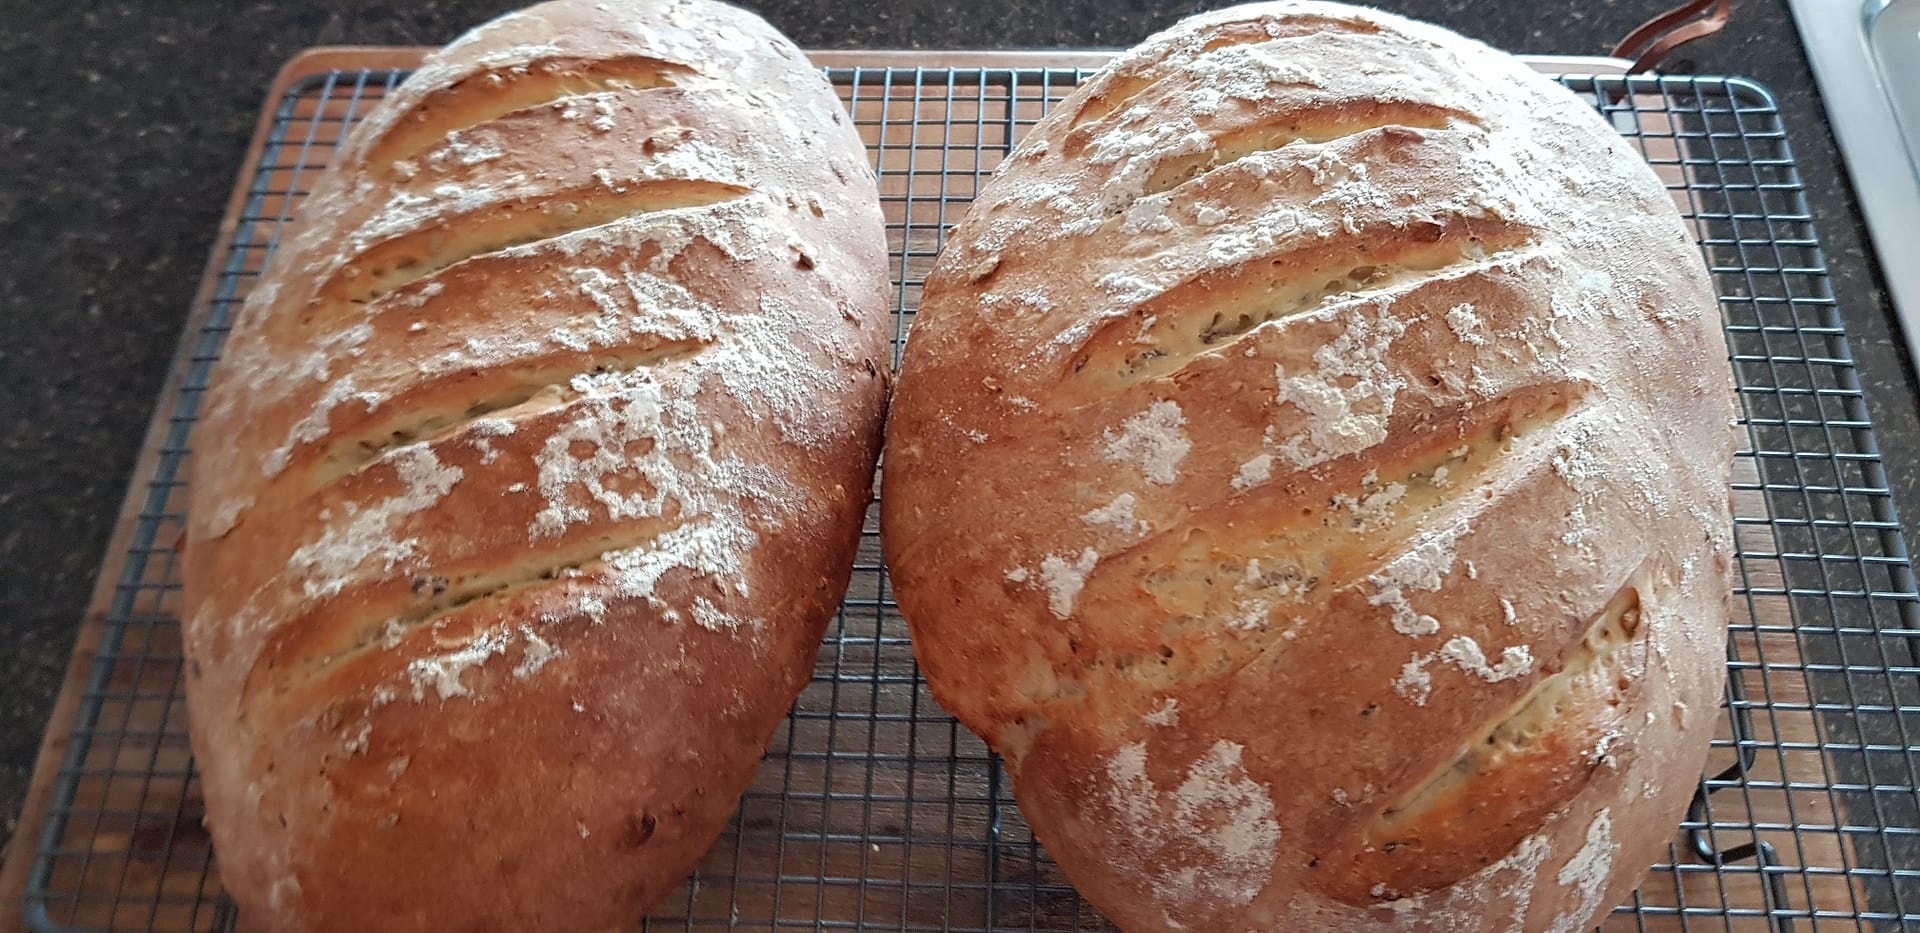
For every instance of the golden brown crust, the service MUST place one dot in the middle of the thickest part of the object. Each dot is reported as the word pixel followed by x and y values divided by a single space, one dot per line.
pixel 1309 470
pixel 532 475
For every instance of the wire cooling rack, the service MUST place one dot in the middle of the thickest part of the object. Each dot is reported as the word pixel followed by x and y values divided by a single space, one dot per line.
pixel 874 810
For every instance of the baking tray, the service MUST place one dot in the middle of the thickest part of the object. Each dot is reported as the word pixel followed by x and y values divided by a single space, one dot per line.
pixel 873 809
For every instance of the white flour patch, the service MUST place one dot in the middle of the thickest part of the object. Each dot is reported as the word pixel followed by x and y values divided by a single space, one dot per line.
pixel 226 514
pixel 1117 514
pixel 603 113
pixel 1154 440
pixel 328 563
pixel 1467 655
pixel 1469 903
pixel 1330 168
pixel 407 211
pixel 356 743
pixel 632 447
pixel 536 652
pixel 1580 531
pixel 1465 324
pixel 1148 215
pixel 1029 301
pixel 1256 593
pixel 413 297
pixel 766 360
pixel 1352 198
pixel 1603 750
pixel 1422 567
pixel 1587 872
pixel 633 303
pixel 697 160
pixel 1219 782
pixel 1254 472
pixel 1136 152
pixel 1263 234
pixel 442 672
pixel 710 617
pixel 1348 397
pixel 593 457
pixel 1063 580
pixel 1132 793
pixel 1128 289
pixel 1375 510
pixel 273 382
pixel 1217 822
pixel 1577 463
pixel 1406 620
pixel 465 150
pixel 1165 714
pixel 1414 683
pixel 315 424
pixel 712 549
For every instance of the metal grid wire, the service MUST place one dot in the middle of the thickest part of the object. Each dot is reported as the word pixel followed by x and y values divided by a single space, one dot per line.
pixel 874 810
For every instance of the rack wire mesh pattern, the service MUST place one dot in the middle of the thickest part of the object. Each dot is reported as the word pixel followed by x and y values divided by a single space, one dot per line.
pixel 874 810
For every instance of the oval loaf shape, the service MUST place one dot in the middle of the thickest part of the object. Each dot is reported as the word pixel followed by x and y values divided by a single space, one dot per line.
pixel 532 475
pixel 1309 469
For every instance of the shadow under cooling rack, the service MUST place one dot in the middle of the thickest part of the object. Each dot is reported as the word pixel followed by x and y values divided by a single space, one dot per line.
pixel 875 810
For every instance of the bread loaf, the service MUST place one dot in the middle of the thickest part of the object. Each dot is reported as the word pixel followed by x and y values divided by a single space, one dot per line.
pixel 532 475
pixel 1309 469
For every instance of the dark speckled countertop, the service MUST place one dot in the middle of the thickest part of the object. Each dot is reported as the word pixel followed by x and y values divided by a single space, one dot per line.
pixel 124 123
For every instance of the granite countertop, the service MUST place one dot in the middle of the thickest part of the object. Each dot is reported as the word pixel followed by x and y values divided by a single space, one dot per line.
pixel 127 121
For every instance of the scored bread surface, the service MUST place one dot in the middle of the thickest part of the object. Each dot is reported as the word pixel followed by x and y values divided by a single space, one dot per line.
pixel 532 473
pixel 1309 469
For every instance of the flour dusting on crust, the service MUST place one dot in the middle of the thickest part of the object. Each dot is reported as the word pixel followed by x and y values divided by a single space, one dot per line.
pixel 1587 873
pixel 1117 514
pixel 1424 566
pixel 441 673
pixel 1508 885
pixel 713 549
pixel 1255 471
pixel 356 535
pixel 1466 654
pixel 1349 395
pixel 1165 714
pixel 1063 580
pixel 1415 683
pixel 615 435
pixel 1218 823
pixel 1154 440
